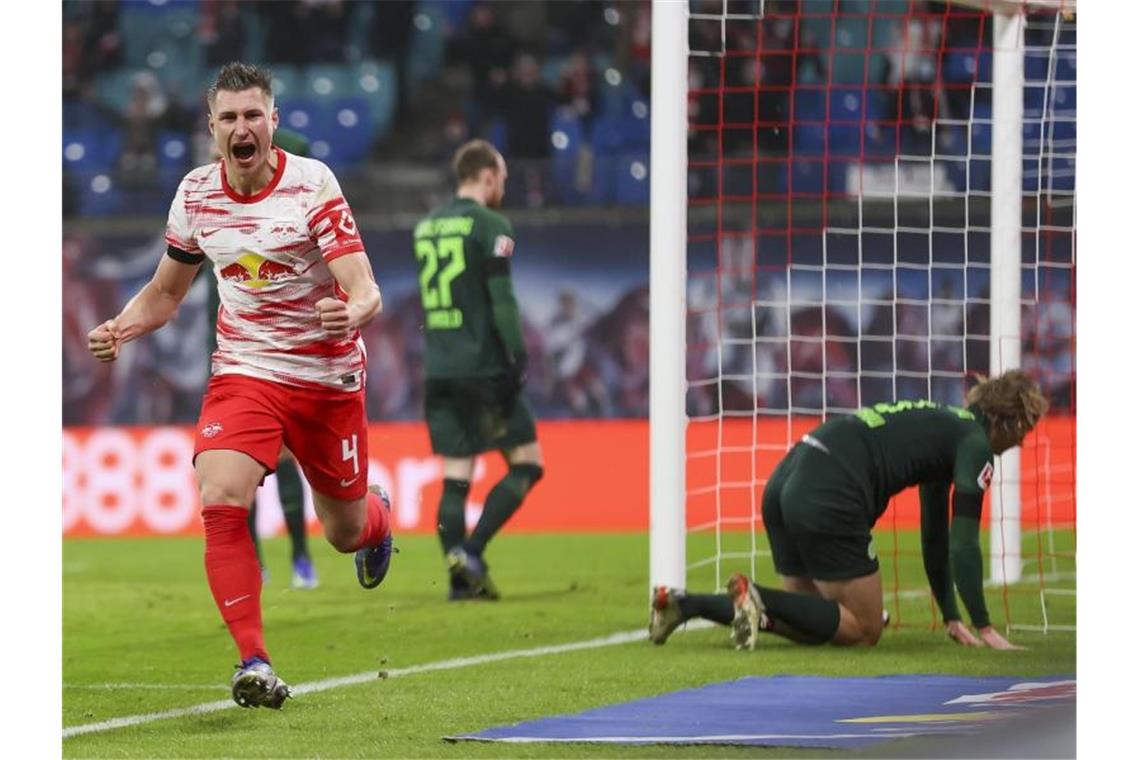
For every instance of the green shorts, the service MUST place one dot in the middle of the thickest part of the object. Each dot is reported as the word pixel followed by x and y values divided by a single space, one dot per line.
pixel 816 519
pixel 465 417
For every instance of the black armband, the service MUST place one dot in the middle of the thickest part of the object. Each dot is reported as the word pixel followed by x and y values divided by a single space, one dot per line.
pixel 184 257
pixel 967 505
pixel 497 266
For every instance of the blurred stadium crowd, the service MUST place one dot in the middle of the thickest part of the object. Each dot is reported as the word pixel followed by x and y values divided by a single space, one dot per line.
pixel 385 91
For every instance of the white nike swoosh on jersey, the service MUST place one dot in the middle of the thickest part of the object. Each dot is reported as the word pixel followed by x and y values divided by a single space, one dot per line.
pixel 347 483
pixel 232 602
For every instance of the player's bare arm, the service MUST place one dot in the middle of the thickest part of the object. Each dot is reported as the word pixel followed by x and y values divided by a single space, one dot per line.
pixel 353 274
pixel 151 308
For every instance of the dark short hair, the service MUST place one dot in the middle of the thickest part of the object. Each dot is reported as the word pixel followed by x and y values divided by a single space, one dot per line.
pixel 473 157
pixel 237 76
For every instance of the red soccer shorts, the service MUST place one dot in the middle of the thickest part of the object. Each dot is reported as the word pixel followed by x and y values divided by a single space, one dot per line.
pixel 326 430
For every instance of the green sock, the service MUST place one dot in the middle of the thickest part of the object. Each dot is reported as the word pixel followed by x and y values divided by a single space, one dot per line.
pixel 251 521
pixel 504 499
pixel 814 616
pixel 715 607
pixel 293 505
pixel 451 523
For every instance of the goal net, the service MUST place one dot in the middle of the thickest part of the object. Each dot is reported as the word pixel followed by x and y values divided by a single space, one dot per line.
pixel 879 203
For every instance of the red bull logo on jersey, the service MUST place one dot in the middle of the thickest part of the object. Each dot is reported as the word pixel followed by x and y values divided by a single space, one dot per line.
pixel 254 271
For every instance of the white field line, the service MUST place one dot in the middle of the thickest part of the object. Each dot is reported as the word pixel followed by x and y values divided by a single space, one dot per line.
pixel 371 675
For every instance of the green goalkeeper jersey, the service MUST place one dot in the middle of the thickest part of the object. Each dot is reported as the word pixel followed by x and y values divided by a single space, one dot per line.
pixel 888 447
pixel 471 319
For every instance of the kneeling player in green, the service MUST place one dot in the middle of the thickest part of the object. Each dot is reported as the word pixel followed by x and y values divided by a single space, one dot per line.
pixel 475 362
pixel 828 491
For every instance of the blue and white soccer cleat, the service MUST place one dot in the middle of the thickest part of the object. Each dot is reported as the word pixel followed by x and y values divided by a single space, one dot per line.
pixel 256 685
pixel 472 570
pixel 372 563
pixel 749 616
pixel 304 574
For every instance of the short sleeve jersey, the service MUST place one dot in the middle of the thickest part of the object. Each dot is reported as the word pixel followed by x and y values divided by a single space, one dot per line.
pixel 270 254
pixel 457 247
pixel 891 446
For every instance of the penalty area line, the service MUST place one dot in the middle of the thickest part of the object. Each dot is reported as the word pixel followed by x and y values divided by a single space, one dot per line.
pixel 372 675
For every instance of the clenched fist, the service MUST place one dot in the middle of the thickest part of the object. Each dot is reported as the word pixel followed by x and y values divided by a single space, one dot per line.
pixel 103 342
pixel 334 316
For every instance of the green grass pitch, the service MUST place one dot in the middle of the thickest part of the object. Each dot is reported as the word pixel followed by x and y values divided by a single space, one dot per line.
pixel 141 635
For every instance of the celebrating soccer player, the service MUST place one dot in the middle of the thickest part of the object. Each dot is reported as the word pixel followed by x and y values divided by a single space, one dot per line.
pixel 475 361
pixel 295 285
pixel 826 494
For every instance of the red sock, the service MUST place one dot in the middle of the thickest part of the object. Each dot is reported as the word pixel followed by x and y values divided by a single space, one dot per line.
pixel 376 523
pixel 235 576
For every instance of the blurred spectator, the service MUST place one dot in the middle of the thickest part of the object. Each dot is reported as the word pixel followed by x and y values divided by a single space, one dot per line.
pixel 141 121
pixel 391 35
pixel 576 86
pixel 324 24
pixel 284 24
pixel 86 385
pixel 911 76
pixel 486 48
pixel 222 31
pixel 624 336
pixel 525 106
pixel 102 45
pixel 576 382
pixel 73 53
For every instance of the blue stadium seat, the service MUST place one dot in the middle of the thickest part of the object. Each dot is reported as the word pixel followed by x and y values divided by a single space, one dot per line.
pixel 807 176
pixel 91 150
pixel 844 139
pixel 1066 67
pixel 881 141
pixel 952 140
pixel 345 124
pixel 566 136
pixel 287 81
pixel 959 66
pixel 979 175
pixel 772 177
pixel 376 81
pixel 324 81
pixel 1036 65
pixel 615 134
pixel 809 139
pixel 299 114
pixel 981 138
pixel 851 33
pixel 633 180
pixel 83 114
pixel 847 105
pixel 809 104
pixel 174 150
pixel 837 171
pixel 425 51
pixel 1062 174
pixel 100 196
pixel 496 134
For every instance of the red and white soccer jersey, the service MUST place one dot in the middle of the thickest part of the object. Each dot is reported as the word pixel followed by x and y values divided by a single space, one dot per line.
pixel 270 252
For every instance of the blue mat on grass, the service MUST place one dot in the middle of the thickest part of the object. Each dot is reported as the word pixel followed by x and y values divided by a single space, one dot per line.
pixel 801 711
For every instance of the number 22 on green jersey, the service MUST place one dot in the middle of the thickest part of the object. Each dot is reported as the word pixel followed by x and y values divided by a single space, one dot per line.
pixel 441 261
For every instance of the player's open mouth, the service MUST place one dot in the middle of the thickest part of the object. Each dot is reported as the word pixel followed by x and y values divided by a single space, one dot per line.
pixel 244 152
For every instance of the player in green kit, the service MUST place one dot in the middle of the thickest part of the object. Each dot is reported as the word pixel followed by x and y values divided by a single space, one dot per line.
pixel 475 361
pixel 828 491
